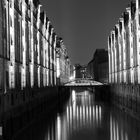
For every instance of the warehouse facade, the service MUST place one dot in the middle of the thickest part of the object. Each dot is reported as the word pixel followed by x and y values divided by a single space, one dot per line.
pixel 27 55
pixel 124 59
pixel 28 46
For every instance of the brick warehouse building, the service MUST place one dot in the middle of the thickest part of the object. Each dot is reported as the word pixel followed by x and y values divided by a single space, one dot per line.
pixel 28 46
pixel 97 68
pixel 27 56
pixel 124 59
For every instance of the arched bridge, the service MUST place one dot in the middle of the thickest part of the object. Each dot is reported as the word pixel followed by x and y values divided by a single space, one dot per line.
pixel 84 82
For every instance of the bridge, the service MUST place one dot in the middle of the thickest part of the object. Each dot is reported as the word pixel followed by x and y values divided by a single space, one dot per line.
pixel 84 82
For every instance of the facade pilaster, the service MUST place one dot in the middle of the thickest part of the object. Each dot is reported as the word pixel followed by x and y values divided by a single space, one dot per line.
pixel 44 49
pixel 12 46
pixel 109 58
pixel 138 37
pixel 47 53
pixel 38 44
pixel 23 75
pixel 131 46
pixel 112 52
pixel 123 50
pixel 32 45
pixel 115 56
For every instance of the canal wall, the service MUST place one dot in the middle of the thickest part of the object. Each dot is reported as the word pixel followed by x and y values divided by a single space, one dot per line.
pixel 18 109
pixel 102 93
pixel 126 97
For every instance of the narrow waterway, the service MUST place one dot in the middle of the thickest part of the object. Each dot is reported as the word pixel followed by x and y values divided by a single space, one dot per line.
pixel 83 118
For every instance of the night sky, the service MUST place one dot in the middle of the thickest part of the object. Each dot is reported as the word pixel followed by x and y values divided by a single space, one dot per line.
pixel 84 25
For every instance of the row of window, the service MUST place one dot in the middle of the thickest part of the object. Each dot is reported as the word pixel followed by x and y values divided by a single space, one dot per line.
pixel 123 50
pixel 43 53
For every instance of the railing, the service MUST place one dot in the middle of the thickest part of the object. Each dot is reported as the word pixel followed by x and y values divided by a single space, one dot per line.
pixel 84 82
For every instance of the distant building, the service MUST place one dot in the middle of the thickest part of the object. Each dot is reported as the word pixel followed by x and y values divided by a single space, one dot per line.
pixel 80 71
pixel 84 71
pixel 90 71
pixel 77 73
pixel 97 68
pixel 62 63
pixel 101 65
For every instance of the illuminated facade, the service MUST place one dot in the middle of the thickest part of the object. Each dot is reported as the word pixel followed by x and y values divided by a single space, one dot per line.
pixel 124 58
pixel 27 61
pixel 62 63
pixel 28 46
pixel 27 54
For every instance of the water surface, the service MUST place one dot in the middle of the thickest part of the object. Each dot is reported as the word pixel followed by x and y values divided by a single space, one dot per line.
pixel 83 118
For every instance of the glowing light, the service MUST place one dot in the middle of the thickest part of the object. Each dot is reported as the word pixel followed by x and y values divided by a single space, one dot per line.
pixel 70 113
pixel 111 133
pixel 1 132
pixel 39 76
pixel 47 77
pixel 67 113
pixel 38 16
pixel 126 136
pixel 85 93
pixel 93 112
pixel 74 74
pixel 49 137
pixel 114 130
pixel 90 113
pixel 97 114
pixel 44 78
pixel 73 95
pixel 84 114
pixel 58 67
pixel 71 78
pixel 44 25
pixel 58 128
pixel 47 32
pixel 31 68
pixel 80 112
pixel 52 30
pixel 117 132
pixel 87 114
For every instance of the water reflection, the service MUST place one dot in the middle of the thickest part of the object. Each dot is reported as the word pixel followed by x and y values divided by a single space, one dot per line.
pixel 123 127
pixel 85 119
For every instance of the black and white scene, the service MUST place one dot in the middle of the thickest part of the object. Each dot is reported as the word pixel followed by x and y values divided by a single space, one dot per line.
pixel 69 69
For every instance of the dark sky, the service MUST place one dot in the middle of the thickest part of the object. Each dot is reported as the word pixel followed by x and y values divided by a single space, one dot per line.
pixel 84 25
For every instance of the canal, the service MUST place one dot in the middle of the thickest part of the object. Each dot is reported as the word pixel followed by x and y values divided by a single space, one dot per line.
pixel 83 118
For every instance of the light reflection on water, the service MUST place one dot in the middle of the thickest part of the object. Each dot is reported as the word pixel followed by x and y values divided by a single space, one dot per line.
pixel 85 119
